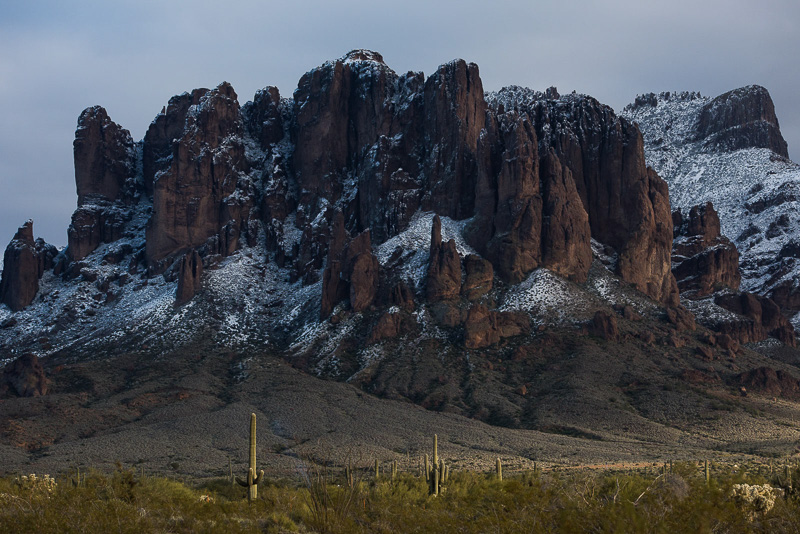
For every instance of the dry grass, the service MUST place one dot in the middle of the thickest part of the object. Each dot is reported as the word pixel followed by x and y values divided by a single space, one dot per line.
pixel 577 500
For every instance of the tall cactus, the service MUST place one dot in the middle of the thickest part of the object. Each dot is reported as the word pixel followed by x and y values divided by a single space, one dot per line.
pixel 499 470
pixel 252 478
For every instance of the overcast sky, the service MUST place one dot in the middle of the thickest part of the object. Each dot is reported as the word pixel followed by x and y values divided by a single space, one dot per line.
pixel 57 58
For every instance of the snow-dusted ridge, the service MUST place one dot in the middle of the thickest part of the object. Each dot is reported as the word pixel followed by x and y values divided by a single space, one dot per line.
pixel 754 190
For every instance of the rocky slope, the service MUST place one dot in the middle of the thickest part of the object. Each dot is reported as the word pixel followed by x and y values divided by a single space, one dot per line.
pixel 502 256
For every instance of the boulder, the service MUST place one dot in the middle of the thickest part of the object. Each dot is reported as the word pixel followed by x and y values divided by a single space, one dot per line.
pixel 604 325
pixel 24 377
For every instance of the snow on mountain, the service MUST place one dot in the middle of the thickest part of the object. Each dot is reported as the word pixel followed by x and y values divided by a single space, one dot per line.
pixel 754 189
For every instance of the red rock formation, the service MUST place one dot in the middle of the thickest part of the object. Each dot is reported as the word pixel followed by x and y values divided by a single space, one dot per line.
pixel 93 224
pixel 485 327
pixel 104 156
pixel 353 273
pixel 507 226
pixel 703 261
pixel 455 114
pixel 479 276
pixel 21 270
pixel 604 325
pixel 566 236
pixel 770 382
pixel 24 377
pixel 355 116
pixel 157 149
pixel 193 200
pixel 444 268
pixel 761 318
pixel 190 273
pixel 402 297
pixel 105 163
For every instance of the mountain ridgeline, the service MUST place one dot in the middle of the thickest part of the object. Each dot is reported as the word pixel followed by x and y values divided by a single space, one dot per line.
pixel 377 220
pixel 359 149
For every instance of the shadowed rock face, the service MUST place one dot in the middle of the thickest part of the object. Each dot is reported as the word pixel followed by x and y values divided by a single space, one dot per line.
pixel 189 277
pixel 105 165
pixel 23 265
pixel 104 156
pixel 352 272
pixel 703 261
pixel 193 199
pixel 742 118
pixel 444 267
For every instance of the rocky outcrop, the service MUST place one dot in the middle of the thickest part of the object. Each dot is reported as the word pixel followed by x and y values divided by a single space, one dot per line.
pixel 742 118
pixel 604 325
pixel 24 377
pixel 444 267
pixel 557 171
pixel 193 200
pixel 761 318
pixel 190 273
pixel 485 327
pixel 352 272
pixel 681 318
pixel 105 157
pixel 389 326
pixel 94 224
pixel 479 277
pixel 105 167
pixel 703 261
pixel 770 382
pixel 24 262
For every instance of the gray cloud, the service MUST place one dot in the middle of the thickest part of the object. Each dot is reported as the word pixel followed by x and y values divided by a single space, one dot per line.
pixel 56 58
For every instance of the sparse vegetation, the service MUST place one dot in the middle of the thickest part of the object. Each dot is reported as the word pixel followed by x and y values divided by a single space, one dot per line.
pixel 744 498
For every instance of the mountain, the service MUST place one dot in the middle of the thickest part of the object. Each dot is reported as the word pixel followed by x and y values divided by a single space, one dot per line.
pixel 500 259
pixel 729 151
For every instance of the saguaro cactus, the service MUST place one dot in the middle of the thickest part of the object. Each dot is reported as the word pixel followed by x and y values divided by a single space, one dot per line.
pixel 499 470
pixel 252 478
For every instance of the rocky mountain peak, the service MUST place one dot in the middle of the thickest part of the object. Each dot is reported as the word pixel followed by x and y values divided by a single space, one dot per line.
pixel 361 54
pixel 742 118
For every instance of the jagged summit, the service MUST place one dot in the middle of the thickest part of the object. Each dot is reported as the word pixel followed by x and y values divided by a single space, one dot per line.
pixel 361 54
